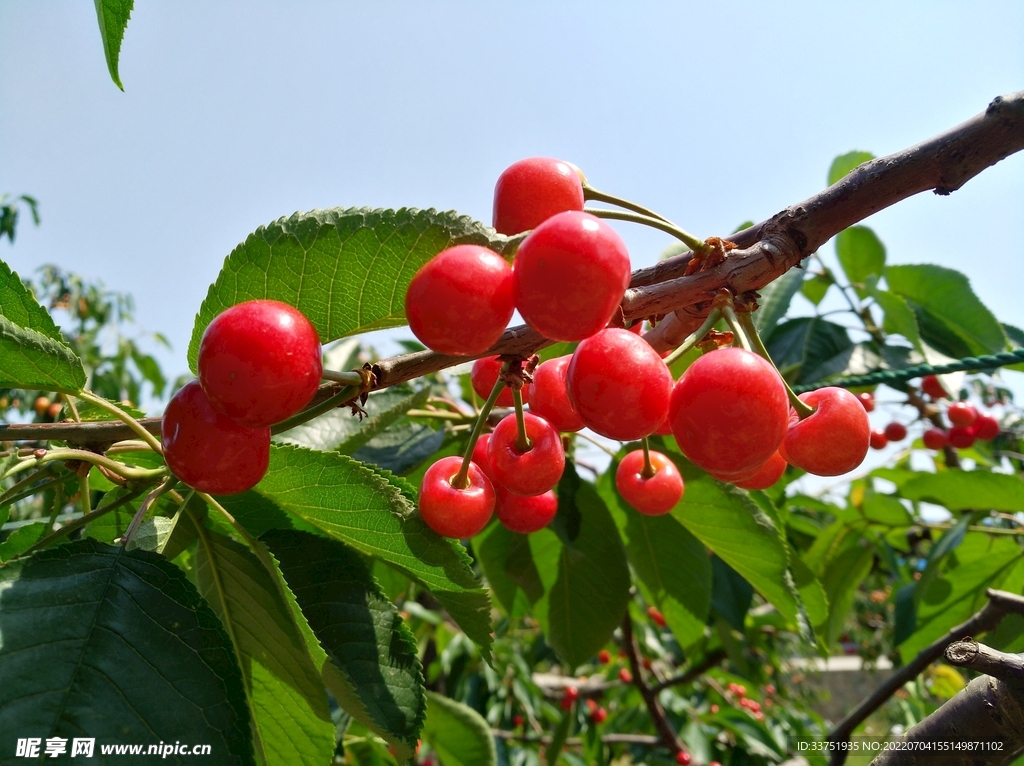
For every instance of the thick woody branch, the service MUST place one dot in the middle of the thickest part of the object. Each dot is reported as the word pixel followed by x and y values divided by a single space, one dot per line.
pixel 983 659
pixel 1000 603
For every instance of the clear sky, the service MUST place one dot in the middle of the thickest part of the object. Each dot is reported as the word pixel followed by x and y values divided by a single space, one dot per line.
pixel 237 113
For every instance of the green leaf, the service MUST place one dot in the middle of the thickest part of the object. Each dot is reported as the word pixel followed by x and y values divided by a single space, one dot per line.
pixel 732 594
pixel 843 575
pixel 340 430
pixel 671 564
pixel 347 270
pixel 844 163
pixel 964 490
pixel 815 286
pixel 861 254
pixel 586 581
pixel 885 509
pixel 949 314
pixel 459 734
pixel 801 346
pixel 401 448
pixel 113 18
pixel 21 539
pixel 291 717
pixel 33 353
pixel 360 630
pixel 774 301
pixel 493 548
pixel 117 645
pixel 374 512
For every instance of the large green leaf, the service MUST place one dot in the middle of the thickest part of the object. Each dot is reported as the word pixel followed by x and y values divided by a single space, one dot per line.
pixel 861 254
pixel 801 346
pixel 360 630
pixel 585 580
pixel 459 734
pixel 113 18
pixel 32 352
pixel 340 430
pixel 844 163
pixel 949 314
pixel 493 549
pixel 843 575
pixel 775 299
pixel 347 269
pixel 963 490
pixel 291 716
pixel 671 564
pixel 118 645
pixel 402 447
pixel 375 513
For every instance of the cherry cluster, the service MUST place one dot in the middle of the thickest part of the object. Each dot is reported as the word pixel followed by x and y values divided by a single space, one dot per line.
pixel 259 363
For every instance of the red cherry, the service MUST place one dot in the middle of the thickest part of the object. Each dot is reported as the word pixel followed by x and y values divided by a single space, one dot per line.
pixel 259 362
pixel 209 451
pixel 525 514
pixel 961 414
pixel 878 440
pixel 657 617
pixel 652 496
pixel 834 439
pixel 570 274
pixel 619 385
pixel 565 703
pixel 683 758
pixel 729 412
pixel 599 715
pixel 484 375
pixel 460 301
pixel 454 512
pixel 591 705
pixel 604 656
pixel 961 437
pixel 480 458
pixel 714 763
pixel 714 709
pixel 868 400
pixel 985 427
pixel 931 386
pixel 766 475
pixel 769 689
pixel 572 693
pixel 518 720
pixel 549 398
pixel 895 432
pixel 533 472
pixel 532 190
pixel 625 676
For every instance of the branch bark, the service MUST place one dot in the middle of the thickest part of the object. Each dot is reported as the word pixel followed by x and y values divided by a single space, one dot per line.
pixel 667 734
pixel 1000 603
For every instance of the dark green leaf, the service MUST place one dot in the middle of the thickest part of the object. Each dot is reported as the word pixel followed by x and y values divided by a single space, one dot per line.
pixel 843 575
pixel 861 254
pixel 402 447
pixel 857 359
pixel 774 301
pixel 844 163
pixel 347 270
pixel 116 645
pixel 493 548
pixel 459 734
pixel 904 614
pixel 374 512
pixel 963 490
pixel 360 630
pixel 732 594
pixel 113 18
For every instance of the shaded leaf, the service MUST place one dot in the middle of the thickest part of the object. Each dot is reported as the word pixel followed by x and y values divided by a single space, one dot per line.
pixel 774 301
pixel 459 734
pixel 493 548
pixel 402 447
pixel 731 595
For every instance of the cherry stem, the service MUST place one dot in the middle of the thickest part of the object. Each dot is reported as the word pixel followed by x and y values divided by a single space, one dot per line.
pixel 344 395
pixel 686 238
pixel 746 322
pixel 144 507
pixel 695 338
pixel 81 521
pixel 122 470
pixel 739 337
pixel 349 378
pixel 590 193
pixel 648 471
pixel 461 479
pixel 124 417
pixel 523 443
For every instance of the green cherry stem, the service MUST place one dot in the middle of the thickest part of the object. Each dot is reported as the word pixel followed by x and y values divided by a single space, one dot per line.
pixel 144 507
pixel 656 223
pixel 125 471
pixel 590 193
pixel 461 480
pixel 648 471
pixel 83 493
pixel 349 378
pixel 124 417
pixel 326 405
pixel 695 338
pixel 747 324
pixel 523 443
pixel 81 521
pixel 740 339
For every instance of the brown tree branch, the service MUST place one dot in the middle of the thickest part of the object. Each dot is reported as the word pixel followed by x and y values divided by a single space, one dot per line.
pixel 608 739
pixel 692 674
pixel 667 734
pixel 983 659
pixel 1000 603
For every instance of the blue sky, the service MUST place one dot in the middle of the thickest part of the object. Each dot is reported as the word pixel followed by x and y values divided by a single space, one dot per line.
pixel 235 114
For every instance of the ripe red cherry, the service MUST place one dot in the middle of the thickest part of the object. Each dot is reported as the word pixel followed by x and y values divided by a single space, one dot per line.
pixel 484 375
pixel 460 301
pixel 572 693
pixel 895 432
pixel 834 439
pixel 619 385
pixel 599 715
pixel 259 362
pixel 604 656
pixel 868 400
pixel 479 456
pixel 654 495
pixel 454 512
pixel 209 451
pixel 878 440
pixel 526 514
pixel 625 676
pixel 517 720
pixel 766 475
pixel 729 412
pixel 570 274
pixel 961 414
pixel 961 437
pixel 532 190
pixel 683 758
pixel 549 398
pixel 533 472
pixel 657 617
pixel 931 386
pixel 985 427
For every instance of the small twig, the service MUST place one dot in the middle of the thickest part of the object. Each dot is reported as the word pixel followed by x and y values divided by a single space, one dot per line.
pixel 984 659
pixel 608 739
pixel 669 738
pixel 692 674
